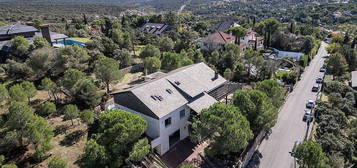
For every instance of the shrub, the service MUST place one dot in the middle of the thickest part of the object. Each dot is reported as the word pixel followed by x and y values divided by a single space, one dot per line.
pixel 56 162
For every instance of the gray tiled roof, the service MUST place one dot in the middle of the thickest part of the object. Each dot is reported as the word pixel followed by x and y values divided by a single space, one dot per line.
pixel 202 102
pixel 54 37
pixel 155 28
pixel 222 26
pixel 185 84
pixel 16 28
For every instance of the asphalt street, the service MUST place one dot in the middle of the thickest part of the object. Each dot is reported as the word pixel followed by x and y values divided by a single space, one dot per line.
pixel 290 127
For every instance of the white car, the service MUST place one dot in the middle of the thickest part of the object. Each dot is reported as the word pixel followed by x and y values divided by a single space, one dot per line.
pixel 319 80
pixel 310 104
pixel 315 88
pixel 308 116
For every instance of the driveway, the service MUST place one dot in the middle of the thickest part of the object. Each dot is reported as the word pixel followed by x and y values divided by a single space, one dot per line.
pixel 290 127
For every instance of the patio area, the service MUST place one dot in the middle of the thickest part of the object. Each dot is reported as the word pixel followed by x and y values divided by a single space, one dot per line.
pixel 185 153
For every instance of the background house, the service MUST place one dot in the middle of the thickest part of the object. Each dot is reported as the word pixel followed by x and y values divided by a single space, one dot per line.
pixel 215 41
pixel 223 26
pixel 167 101
pixel 156 28
pixel 27 31
pixel 288 54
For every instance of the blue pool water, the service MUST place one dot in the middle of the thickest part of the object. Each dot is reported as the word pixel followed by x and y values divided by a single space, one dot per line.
pixel 71 42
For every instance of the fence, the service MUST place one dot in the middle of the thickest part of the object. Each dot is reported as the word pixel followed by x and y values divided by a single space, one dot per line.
pixel 247 154
pixel 133 69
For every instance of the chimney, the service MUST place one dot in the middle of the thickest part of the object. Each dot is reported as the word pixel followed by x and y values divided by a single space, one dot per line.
pixel 45 30
pixel 215 76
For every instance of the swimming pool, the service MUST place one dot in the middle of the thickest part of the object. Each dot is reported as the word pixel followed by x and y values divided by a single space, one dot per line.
pixel 71 42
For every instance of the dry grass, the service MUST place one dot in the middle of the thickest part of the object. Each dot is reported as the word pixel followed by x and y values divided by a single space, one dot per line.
pixel 126 81
pixel 69 153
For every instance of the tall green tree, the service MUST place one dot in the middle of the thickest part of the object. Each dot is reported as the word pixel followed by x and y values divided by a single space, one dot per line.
pixel 4 94
pixel 51 87
pixel 272 89
pixel 230 56
pixel 152 64
pixel 238 32
pixel 309 154
pixel 171 61
pixel 25 124
pixel 228 74
pixel 40 42
pixel 115 140
pixel 150 51
pixel 139 151
pixel 225 126
pixel 166 44
pixel 87 116
pixel 87 94
pixel 337 65
pixel 71 112
pixel 94 155
pixel 20 46
pixel 29 88
pixel 107 70
pixel 74 56
pixel 251 57
pixel 17 93
pixel 41 62
pixel 257 107
pixel 123 56
pixel 46 108
pixel 72 79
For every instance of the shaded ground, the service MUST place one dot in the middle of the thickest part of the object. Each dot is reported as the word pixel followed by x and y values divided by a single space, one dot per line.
pixel 185 153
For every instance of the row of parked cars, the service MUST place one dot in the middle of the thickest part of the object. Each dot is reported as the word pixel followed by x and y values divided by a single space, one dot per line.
pixel 309 111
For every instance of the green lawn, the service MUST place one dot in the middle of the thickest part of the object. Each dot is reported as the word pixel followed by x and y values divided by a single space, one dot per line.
pixel 80 39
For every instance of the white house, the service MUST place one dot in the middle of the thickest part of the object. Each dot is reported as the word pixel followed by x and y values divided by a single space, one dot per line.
pixel 288 54
pixel 167 101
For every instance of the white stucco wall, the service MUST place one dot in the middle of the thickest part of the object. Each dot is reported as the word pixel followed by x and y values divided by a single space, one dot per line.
pixel 176 123
pixel 158 131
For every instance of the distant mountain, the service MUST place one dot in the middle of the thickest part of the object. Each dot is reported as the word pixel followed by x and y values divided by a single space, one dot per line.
pixel 80 1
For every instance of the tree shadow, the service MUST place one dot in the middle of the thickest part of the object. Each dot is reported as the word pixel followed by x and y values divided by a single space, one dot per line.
pixel 72 138
pixel 255 160
pixel 61 129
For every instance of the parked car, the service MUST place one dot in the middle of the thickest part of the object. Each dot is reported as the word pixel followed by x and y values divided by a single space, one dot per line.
pixel 308 116
pixel 310 104
pixel 319 80
pixel 293 151
pixel 325 56
pixel 315 88
pixel 322 69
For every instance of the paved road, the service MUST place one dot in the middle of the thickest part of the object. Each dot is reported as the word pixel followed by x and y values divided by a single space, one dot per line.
pixel 290 127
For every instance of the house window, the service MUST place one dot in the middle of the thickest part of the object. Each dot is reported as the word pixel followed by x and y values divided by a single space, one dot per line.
pixel 182 113
pixel 168 122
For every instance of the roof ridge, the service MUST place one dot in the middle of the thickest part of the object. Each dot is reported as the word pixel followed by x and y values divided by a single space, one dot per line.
pixel 220 33
pixel 159 78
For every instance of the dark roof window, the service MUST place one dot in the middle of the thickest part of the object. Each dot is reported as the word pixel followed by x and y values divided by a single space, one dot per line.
pixel 168 122
pixel 169 91
pixel 153 97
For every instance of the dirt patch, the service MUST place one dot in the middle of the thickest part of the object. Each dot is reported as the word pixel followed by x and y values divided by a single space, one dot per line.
pixel 127 81
pixel 68 143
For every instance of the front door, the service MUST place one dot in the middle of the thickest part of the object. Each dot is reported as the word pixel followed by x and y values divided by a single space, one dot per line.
pixel 174 138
